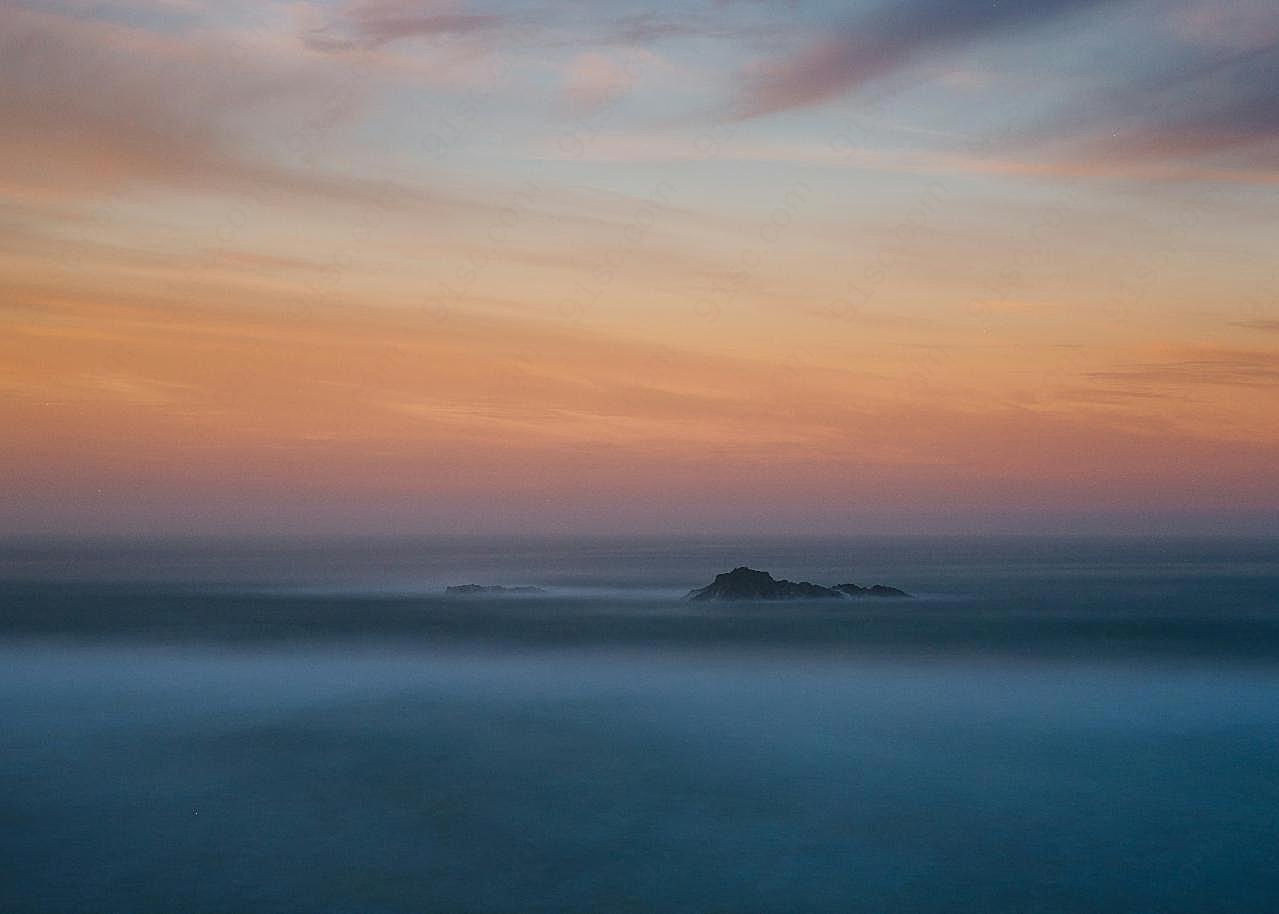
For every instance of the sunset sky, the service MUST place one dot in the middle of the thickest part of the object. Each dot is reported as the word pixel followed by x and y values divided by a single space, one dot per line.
pixel 394 266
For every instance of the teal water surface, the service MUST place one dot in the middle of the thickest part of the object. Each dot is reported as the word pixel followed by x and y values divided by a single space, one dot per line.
pixel 1052 725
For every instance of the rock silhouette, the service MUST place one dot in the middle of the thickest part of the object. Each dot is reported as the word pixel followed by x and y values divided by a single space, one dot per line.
pixel 744 583
pixel 489 588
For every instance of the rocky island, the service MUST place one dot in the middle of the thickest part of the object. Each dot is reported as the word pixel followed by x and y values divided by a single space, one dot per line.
pixel 489 588
pixel 748 584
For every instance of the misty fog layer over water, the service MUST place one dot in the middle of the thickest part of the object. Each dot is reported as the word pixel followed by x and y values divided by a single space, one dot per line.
pixel 1055 725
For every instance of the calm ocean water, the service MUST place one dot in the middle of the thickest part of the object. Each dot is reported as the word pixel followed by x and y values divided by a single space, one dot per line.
pixel 1053 724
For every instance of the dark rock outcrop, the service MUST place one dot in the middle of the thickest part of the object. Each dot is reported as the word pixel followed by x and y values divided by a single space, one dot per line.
pixel 748 584
pixel 875 590
pixel 489 588
pixel 883 590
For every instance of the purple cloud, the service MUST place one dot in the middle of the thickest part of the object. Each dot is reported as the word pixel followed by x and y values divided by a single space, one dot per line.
pixel 892 37
pixel 1188 109
pixel 373 23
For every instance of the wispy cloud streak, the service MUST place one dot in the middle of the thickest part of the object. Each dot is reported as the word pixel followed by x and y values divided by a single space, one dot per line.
pixel 893 37
pixel 1190 108
pixel 1201 88
pixel 367 24
pixel 1216 367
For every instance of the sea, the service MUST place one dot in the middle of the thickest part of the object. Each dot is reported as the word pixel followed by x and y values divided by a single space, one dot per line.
pixel 313 726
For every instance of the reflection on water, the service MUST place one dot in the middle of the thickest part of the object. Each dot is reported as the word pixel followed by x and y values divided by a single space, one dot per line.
pixel 169 745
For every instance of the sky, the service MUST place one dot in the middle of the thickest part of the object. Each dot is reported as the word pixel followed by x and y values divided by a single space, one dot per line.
pixel 710 267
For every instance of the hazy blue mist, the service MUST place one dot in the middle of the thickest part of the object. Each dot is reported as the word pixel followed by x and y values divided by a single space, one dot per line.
pixel 1055 725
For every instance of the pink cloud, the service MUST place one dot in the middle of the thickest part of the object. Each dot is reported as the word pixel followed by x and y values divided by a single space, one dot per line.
pixel 92 107
pixel 1240 25
pixel 594 81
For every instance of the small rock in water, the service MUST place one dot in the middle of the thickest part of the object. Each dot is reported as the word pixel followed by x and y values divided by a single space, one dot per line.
pixel 490 588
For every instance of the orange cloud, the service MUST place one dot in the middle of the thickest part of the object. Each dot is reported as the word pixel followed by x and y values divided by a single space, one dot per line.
pixel 227 401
